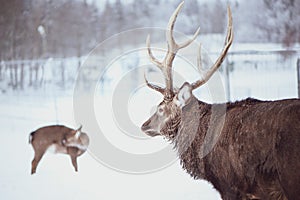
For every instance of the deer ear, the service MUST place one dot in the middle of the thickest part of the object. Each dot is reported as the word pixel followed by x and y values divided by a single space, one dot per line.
pixel 184 95
pixel 78 132
pixel 77 135
pixel 80 127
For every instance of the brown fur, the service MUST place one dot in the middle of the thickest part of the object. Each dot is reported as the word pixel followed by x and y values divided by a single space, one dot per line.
pixel 256 152
pixel 246 159
pixel 62 138
pixel 248 149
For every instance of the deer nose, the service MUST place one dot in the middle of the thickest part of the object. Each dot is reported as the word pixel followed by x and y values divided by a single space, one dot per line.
pixel 145 126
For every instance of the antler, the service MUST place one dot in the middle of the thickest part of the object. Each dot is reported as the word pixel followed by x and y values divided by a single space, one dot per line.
pixel 228 42
pixel 166 65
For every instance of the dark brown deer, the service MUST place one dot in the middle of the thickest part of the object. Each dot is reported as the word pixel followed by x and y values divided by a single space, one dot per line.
pixel 249 150
pixel 59 139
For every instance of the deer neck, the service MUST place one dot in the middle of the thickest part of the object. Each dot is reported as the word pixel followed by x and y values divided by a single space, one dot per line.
pixel 190 136
pixel 188 130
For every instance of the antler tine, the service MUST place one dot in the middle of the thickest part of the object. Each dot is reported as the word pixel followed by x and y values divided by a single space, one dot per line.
pixel 228 42
pixel 152 58
pixel 188 42
pixel 154 87
pixel 199 59
pixel 166 64
pixel 158 64
pixel 173 47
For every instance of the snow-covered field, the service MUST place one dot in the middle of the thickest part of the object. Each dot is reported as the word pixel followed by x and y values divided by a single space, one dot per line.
pixel 23 112
pixel 56 179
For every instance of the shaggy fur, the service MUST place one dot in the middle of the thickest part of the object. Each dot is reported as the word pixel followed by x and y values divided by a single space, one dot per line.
pixel 247 149
pixel 256 151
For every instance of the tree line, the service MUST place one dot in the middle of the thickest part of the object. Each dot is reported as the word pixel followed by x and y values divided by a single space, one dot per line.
pixel 34 29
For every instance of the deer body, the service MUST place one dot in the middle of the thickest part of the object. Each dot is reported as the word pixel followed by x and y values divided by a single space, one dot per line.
pixel 246 161
pixel 59 139
pixel 249 150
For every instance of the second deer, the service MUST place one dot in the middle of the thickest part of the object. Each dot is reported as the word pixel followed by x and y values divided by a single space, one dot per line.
pixel 59 139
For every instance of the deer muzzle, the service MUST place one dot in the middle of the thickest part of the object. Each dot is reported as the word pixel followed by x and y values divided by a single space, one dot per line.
pixel 146 127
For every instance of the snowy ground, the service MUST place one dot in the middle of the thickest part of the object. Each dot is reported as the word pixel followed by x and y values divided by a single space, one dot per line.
pixel 23 112
pixel 55 178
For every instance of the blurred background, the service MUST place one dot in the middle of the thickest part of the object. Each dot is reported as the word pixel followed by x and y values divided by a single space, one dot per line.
pixel 49 46
pixel 57 34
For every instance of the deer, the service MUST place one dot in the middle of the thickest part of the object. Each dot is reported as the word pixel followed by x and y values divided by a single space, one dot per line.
pixel 248 151
pixel 58 139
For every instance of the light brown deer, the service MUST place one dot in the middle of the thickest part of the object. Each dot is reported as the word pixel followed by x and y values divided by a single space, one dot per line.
pixel 249 151
pixel 59 139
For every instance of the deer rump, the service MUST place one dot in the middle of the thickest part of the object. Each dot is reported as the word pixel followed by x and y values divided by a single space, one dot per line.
pixel 257 151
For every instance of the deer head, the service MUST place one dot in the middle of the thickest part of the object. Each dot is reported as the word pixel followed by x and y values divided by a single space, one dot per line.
pixel 165 121
pixel 74 137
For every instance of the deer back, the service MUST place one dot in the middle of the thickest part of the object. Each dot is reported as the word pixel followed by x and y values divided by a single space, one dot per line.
pixel 58 138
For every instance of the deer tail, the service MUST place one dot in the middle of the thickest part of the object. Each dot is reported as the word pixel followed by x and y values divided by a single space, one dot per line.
pixel 31 137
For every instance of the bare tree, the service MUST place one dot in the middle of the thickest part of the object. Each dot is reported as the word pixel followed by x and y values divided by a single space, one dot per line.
pixel 282 20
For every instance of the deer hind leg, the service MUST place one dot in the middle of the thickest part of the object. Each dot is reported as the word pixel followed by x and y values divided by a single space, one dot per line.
pixel 73 151
pixel 38 154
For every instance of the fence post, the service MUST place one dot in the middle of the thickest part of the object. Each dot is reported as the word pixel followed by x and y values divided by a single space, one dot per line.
pixel 298 76
pixel 227 80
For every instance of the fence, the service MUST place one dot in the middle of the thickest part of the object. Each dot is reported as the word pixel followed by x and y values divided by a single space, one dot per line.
pixel 260 74
pixel 298 76
pixel 26 74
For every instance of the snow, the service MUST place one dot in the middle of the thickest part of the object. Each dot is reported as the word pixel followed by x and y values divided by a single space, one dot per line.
pixel 268 77
pixel 56 179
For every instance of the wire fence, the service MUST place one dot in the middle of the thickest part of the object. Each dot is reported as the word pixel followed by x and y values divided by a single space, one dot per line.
pixel 261 74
